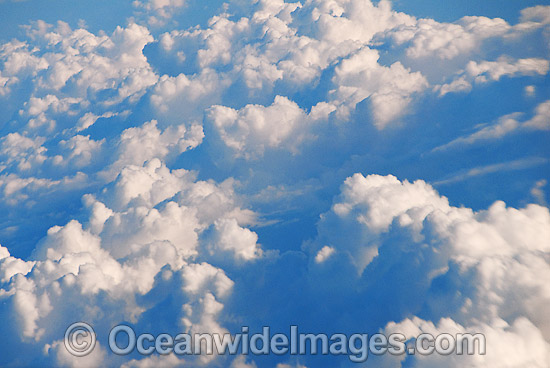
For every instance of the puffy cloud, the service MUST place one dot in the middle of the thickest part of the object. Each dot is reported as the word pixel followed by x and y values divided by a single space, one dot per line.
pixel 16 189
pixel 101 63
pixel 152 242
pixel 89 119
pixel 485 71
pixel 457 85
pixel 183 96
pixel 296 57
pixel 496 69
pixel 18 61
pixel 81 150
pixel 22 152
pixel 483 270
pixel 65 359
pixel 130 244
pixel 390 89
pixel 354 20
pixel 517 344
pixel 143 143
pixel 231 237
pixel 428 38
pixel 324 254
pixel 12 266
pixel 530 90
pixel 253 129
pixel 71 71
pixel 537 14
pixel 240 362
pixel 158 11
pixel 143 229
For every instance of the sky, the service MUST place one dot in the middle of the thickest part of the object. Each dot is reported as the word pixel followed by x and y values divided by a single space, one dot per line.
pixel 347 166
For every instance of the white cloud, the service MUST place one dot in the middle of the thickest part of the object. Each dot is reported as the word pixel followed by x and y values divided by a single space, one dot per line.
pixel 390 88
pixel 121 254
pixel 505 125
pixel 89 119
pixel 253 129
pixel 429 38
pixel 518 344
pixel 519 164
pixel 324 254
pixel 81 150
pixel 65 359
pixel 538 193
pixel 493 262
pixel 502 67
pixel 530 90
pixel 485 71
pixel 187 96
pixel 11 266
pixel 158 12
pixel 23 152
pixel 231 237
pixel 15 189
pixel 240 362
pixel 273 76
pixel 146 142
pixel 458 85
pixel 536 14
pixel 71 70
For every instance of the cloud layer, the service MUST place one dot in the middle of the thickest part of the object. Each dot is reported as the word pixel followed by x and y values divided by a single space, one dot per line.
pixel 196 170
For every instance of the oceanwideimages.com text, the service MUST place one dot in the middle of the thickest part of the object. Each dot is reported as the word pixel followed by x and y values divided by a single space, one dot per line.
pixel 80 340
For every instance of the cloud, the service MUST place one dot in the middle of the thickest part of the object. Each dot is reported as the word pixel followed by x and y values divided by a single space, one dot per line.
pixel 538 193
pixel 390 88
pixel 505 125
pixel 182 96
pixel 519 164
pixel 536 14
pixel 429 38
pixel 253 129
pixel 146 142
pixel 324 254
pixel 496 69
pixel 129 241
pixel 517 344
pixel 171 178
pixel 158 12
pixel 473 271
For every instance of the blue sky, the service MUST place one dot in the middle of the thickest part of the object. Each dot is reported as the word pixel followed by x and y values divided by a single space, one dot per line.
pixel 345 166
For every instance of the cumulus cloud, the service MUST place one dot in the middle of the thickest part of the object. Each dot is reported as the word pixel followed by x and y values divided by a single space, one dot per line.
pixel 120 252
pixel 324 254
pixel 496 69
pixel 475 271
pixel 253 129
pixel 158 12
pixel 485 71
pixel 390 89
pixel 187 96
pixel 517 344
pixel 135 165
pixel 429 38
pixel 140 144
